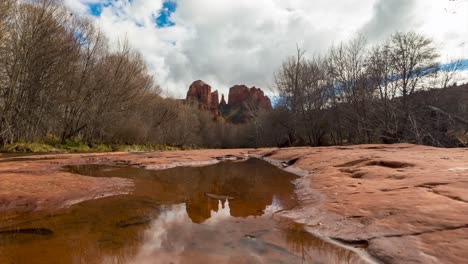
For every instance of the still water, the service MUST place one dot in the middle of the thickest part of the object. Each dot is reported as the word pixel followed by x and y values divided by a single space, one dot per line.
pixel 215 214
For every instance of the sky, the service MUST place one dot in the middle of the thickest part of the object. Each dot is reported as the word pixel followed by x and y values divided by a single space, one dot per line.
pixel 229 42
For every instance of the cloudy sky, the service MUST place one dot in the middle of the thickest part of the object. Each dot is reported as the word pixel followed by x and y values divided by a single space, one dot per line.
pixel 228 42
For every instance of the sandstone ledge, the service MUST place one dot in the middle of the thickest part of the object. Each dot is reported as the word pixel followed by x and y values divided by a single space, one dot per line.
pixel 405 203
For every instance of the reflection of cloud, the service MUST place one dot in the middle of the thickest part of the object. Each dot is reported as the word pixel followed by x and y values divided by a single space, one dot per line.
pixel 223 213
pixel 172 232
pixel 167 237
pixel 274 207
pixel 173 237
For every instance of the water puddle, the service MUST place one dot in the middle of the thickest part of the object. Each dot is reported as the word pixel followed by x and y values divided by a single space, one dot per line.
pixel 215 214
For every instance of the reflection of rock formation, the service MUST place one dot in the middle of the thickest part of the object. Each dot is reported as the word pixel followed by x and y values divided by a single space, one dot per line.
pixel 199 208
pixel 171 234
pixel 173 238
pixel 251 183
pixel 254 185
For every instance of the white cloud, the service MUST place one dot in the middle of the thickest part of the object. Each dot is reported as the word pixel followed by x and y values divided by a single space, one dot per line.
pixel 225 42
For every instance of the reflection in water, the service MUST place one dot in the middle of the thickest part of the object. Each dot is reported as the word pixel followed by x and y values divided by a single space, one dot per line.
pixel 159 244
pixel 172 236
pixel 170 219
pixel 252 184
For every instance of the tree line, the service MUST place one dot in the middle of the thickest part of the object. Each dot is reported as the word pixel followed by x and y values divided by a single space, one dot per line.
pixel 358 93
pixel 60 81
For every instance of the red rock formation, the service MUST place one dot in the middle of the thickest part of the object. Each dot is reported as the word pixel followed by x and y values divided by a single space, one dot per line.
pixel 241 100
pixel 214 99
pixel 254 97
pixel 200 94
pixel 223 102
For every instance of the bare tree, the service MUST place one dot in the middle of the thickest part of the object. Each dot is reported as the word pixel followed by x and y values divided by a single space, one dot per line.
pixel 82 87
pixel 449 72
pixel 123 81
pixel 303 84
pixel 288 82
pixel 317 93
pixel 5 11
pixel 382 75
pixel 35 61
pixel 348 69
pixel 413 57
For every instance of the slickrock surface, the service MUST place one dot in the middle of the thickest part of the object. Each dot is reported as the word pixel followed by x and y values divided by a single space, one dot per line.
pixel 404 203
pixel 408 203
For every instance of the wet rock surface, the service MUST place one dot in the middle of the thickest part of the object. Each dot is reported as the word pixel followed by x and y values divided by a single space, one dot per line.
pixel 405 203
pixel 402 203
pixel 221 213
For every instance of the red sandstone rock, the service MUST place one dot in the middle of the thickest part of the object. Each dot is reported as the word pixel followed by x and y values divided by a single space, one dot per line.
pixel 407 202
pixel 200 94
pixel 240 94
pixel 241 100
pixel 214 99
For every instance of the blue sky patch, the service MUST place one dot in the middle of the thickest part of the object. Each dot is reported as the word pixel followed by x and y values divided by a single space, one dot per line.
pixel 95 9
pixel 449 66
pixel 163 18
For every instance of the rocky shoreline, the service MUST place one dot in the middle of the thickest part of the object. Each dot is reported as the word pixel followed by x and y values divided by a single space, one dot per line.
pixel 402 203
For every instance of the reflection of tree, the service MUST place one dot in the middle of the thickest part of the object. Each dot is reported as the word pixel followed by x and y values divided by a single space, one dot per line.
pixel 314 248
